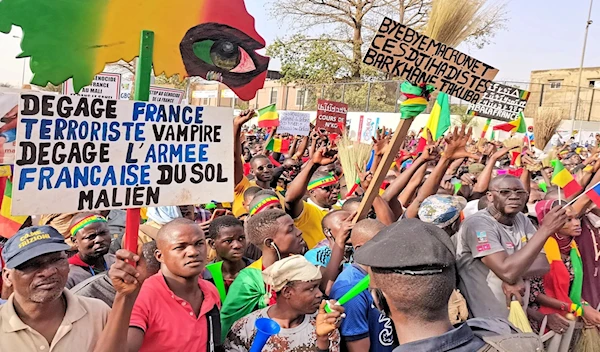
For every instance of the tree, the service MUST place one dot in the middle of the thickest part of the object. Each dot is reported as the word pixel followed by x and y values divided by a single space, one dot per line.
pixel 334 34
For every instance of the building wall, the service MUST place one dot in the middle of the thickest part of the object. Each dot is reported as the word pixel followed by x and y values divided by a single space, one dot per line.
pixel 557 89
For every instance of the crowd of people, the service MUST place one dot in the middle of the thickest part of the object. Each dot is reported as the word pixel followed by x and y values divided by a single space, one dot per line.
pixel 457 232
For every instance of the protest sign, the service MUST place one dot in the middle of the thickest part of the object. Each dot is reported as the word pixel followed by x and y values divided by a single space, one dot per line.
pixel 80 154
pixel 166 95
pixel 9 104
pixel 406 53
pixel 294 123
pixel 367 127
pixel 500 102
pixel 331 116
pixel 104 86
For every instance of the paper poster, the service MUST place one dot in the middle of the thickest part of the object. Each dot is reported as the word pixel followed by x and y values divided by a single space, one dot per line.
pixel 213 39
pixel 80 154
pixel 331 116
pixel 500 102
pixel 294 123
pixel 367 128
pixel 406 53
pixel 166 95
pixel 9 108
pixel 104 86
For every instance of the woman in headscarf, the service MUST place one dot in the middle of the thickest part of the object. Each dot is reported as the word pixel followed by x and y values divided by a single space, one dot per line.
pixel 157 217
pixel 559 291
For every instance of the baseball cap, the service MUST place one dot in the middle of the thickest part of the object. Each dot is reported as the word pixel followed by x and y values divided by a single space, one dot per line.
pixel 441 210
pixel 408 243
pixel 32 242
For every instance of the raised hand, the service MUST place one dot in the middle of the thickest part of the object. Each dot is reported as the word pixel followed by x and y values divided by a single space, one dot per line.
pixel 324 156
pixel 555 220
pixel 380 142
pixel 243 117
pixel 343 234
pixel 328 322
pixel 125 278
pixel 456 144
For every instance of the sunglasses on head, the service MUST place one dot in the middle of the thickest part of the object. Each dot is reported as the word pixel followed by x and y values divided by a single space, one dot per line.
pixel 262 168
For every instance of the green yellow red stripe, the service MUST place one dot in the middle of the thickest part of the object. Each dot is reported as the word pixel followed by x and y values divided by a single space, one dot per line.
pixel 85 222
pixel 263 204
pixel 322 182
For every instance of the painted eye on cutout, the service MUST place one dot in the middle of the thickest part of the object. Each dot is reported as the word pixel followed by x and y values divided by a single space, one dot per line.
pixel 219 52
pixel 225 55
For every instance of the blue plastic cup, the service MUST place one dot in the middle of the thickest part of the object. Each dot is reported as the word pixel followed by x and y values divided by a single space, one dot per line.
pixel 265 328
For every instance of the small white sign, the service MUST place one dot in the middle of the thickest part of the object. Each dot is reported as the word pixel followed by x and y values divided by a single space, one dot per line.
pixel 166 95
pixel 205 94
pixel 294 123
pixel 104 86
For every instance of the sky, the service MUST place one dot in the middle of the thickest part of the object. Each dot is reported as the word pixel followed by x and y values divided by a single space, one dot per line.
pixel 539 34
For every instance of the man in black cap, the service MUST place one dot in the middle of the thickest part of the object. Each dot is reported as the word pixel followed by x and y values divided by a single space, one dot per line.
pixel 412 268
pixel 41 315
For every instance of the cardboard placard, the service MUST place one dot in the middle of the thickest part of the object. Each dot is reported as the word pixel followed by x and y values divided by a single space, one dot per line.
pixel 406 53
pixel 500 102
pixel 104 86
pixel 79 154
pixel 294 122
pixel 9 103
pixel 166 95
pixel 331 115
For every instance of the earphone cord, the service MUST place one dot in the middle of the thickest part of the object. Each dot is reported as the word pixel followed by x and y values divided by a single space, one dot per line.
pixel 276 250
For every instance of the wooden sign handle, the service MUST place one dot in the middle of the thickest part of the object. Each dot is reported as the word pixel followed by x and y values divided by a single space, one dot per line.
pixel 382 169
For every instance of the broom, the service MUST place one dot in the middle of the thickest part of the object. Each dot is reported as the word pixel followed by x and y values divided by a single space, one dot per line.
pixel 545 123
pixel 350 154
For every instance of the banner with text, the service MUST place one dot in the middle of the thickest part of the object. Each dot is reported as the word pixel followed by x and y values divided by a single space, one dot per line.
pixel 406 53
pixel 166 95
pixel 331 116
pixel 500 102
pixel 294 122
pixel 9 108
pixel 104 86
pixel 80 154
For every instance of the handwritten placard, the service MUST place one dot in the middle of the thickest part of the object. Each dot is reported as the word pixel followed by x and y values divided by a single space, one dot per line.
pixel 77 153
pixel 9 103
pixel 294 123
pixel 500 102
pixel 406 53
pixel 331 116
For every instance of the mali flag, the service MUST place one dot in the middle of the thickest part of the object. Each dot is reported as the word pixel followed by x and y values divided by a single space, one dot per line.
pixel 277 145
pixel 8 223
pixel 517 125
pixel 268 117
pixel 563 179
pixel 439 121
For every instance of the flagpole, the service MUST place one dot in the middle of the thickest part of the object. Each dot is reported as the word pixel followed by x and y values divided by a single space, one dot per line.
pixel 587 28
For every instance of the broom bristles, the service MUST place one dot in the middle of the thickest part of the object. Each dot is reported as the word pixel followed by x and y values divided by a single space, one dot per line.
pixel 453 21
pixel 351 154
pixel 545 122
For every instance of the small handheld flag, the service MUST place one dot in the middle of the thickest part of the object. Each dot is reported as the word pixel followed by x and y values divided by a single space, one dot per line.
pixel 563 179
pixel 268 117
pixel 353 292
pixel 594 194
pixel 517 125
pixel 9 223
pixel 277 145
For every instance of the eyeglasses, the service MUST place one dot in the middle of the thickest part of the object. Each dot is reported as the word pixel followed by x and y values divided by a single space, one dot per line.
pixel 508 192
pixel 331 188
pixel 262 168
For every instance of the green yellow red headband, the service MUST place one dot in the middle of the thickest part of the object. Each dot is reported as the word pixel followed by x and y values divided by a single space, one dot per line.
pixel 85 222
pixel 263 204
pixel 322 182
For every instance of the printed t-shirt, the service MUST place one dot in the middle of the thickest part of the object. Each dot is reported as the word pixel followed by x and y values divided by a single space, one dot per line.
pixel 363 319
pixel 80 329
pixel 481 235
pixel 169 322
pixel 309 222
pixel 297 339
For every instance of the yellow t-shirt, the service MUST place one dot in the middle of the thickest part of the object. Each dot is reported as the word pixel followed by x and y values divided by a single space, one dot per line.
pixel 309 222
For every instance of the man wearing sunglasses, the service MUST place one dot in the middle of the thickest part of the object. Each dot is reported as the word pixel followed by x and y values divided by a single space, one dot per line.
pixel 498 249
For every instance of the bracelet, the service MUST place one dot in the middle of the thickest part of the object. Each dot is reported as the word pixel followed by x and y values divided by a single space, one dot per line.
pixel 577 309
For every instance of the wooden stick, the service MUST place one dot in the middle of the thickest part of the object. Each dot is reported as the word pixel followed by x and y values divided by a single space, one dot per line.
pixel 382 169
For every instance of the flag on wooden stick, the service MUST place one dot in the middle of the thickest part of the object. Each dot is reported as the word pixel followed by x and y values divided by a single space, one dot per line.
pixel 268 117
